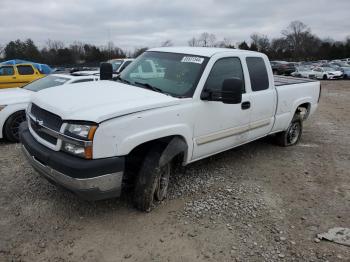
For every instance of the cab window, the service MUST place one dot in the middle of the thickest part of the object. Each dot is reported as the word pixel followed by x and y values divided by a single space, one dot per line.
pixel 25 70
pixel 224 68
pixel 259 79
pixel 7 71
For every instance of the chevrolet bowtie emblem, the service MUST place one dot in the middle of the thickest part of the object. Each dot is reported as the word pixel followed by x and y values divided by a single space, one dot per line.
pixel 39 122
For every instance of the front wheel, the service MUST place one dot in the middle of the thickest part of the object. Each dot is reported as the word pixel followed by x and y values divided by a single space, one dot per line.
pixel 292 135
pixel 152 181
pixel 11 128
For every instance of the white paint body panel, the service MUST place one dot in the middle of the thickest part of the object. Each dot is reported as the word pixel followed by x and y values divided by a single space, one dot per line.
pixel 17 99
pixel 129 116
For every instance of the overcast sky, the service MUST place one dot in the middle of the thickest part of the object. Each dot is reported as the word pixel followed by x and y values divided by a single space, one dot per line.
pixel 138 23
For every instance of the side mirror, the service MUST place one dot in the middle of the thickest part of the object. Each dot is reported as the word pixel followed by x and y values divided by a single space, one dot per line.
pixel 106 71
pixel 232 90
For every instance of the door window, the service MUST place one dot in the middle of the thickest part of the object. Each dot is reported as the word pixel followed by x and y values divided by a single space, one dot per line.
pixel 224 68
pixel 6 71
pixel 25 70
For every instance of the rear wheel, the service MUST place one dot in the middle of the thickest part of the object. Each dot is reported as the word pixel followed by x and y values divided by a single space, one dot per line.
pixel 293 134
pixel 11 128
pixel 152 181
pixel 325 77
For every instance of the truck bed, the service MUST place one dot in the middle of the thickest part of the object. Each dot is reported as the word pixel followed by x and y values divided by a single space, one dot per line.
pixel 292 92
pixel 288 80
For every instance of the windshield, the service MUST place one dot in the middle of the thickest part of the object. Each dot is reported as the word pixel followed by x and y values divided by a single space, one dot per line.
pixel 329 69
pixel 116 64
pixel 45 82
pixel 170 73
pixel 303 68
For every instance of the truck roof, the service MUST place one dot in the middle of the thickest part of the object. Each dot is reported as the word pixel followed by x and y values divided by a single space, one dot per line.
pixel 201 51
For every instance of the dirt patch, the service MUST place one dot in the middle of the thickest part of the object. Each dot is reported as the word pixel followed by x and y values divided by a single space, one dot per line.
pixel 258 202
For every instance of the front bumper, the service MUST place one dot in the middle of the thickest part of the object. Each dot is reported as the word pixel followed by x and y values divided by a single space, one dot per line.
pixel 89 179
pixel 335 77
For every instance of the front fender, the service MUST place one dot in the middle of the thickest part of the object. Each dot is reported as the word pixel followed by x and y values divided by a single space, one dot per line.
pixel 130 142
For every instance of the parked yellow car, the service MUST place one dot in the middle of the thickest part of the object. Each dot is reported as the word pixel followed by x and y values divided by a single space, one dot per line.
pixel 18 75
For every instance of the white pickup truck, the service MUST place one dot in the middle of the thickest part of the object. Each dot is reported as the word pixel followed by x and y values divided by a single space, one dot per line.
pixel 98 137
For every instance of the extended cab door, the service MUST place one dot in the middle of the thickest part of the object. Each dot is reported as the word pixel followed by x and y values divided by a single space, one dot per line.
pixel 8 77
pixel 220 126
pixel 263 97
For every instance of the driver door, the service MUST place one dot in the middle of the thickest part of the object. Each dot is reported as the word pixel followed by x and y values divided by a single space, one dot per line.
pixel 220 126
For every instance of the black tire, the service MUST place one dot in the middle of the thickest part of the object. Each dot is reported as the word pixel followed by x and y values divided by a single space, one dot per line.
pixel 152 181
pixel 293 133
pixel 345 76
pixel 325 77
pixel 11 127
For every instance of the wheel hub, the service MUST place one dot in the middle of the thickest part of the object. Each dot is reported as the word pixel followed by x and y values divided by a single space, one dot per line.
pixel 293 133
pixel 163 182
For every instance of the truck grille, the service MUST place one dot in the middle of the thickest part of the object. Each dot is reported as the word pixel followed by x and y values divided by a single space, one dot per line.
pixel 48 119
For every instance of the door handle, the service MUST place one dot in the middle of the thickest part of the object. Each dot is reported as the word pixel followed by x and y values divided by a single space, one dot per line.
pixel 245 105
pixel 13 77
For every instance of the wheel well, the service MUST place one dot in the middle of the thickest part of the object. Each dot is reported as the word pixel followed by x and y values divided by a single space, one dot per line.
pixel 135 158
pixel 3 127
pixel 304 110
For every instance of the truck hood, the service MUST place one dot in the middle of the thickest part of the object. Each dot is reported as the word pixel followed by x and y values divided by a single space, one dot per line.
pixel 99 101
pixel 10 96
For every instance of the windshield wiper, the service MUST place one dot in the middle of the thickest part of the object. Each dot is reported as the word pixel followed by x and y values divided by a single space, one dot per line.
pixel 122 80
pixel 150 87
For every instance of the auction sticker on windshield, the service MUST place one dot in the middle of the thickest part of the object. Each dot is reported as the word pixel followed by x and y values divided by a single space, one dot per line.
pixel 192 59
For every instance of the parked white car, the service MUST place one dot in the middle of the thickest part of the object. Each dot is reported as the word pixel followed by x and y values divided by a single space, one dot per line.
pixel 303 71
pixel 327 73
pixel 120 64
pixel 13 101
pixel 342 66
pixel 97 137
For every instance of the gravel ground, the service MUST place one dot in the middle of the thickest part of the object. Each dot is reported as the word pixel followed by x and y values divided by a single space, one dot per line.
pixel 258 202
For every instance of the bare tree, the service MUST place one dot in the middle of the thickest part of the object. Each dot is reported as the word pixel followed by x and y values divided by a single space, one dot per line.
pixel 261 42
pixel 225 43
pixel 207 40
pixel 54 44
pixel 193 42
pixel 299 37
pixel 78 52
pixel 2 49
pixel 228 43
pixel 167 43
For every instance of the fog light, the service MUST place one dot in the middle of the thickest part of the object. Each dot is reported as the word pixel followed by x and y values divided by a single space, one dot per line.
pixel 74 149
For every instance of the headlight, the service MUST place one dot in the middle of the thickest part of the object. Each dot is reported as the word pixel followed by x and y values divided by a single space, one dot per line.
pixel 85 132
pixel 2 107
pixel 79 142
pixel 330 74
